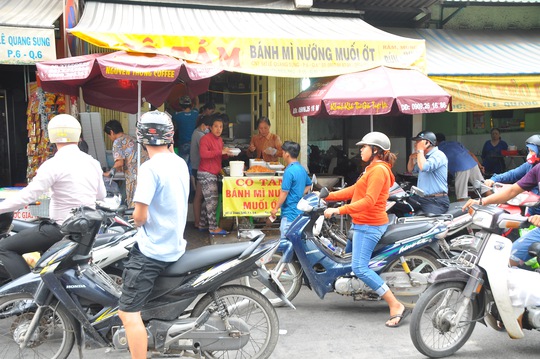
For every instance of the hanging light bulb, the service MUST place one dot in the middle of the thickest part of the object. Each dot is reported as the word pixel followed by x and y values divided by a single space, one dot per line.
pixel 305 83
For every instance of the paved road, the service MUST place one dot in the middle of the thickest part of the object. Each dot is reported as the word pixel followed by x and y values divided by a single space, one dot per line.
pixel 337 327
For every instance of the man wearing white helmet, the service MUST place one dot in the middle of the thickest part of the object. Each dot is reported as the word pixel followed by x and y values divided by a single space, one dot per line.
pixel 74 179
pixel 161 203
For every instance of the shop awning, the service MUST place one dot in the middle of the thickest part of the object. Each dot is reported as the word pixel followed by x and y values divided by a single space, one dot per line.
pixel 483 70
pixel 268 44
pixel 27 31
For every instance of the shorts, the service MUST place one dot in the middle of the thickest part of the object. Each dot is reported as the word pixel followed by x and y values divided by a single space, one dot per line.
pixel 138 280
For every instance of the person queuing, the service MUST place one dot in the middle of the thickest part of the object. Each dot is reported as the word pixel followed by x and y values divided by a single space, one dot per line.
pixel 295 184
pixel 74 179
pixel 185 122
pixel 512 176
pixel 203 127
pixel 211 151
pixel 431 165
pixel 368 212
pixel 462 164
pixel 265 145
pixel 520 252
pixel 125 155
pixel 492 158
pixel 161 206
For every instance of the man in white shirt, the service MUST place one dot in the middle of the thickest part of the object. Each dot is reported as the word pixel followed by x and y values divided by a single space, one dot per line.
pixel 74 179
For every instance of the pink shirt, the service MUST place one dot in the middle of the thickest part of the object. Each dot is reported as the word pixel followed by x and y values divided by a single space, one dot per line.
pixel 210 149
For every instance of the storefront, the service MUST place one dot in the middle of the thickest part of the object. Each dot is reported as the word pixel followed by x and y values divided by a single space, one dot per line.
pixel 274 49
pixel 27 35
pixel 494 80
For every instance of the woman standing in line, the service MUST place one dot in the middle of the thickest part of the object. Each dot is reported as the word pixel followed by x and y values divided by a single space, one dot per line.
pixel 492 158
pixel 368 212
pixel 212 152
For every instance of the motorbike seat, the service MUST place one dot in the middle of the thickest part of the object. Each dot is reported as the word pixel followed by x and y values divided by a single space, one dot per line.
pixel 19 225
pixel 104 238
pixel 455 209
pixel 204 257
pixel 396 232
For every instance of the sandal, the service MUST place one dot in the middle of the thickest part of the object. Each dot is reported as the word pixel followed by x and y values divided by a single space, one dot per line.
pixel 219 233
pixel 401 316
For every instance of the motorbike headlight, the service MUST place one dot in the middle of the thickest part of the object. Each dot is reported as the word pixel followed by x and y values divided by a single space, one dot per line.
pixel 304 205
pixel 482 219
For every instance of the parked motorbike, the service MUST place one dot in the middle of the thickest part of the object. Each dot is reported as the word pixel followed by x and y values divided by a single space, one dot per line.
pixel 477 286
pixel 77 303
pixel 403 257
pixel 407 210
pixel 111 248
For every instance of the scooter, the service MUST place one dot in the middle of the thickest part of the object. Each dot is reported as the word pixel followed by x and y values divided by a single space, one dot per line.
pixel 477 286
pixel 111 248
pixel 67 299
pixel 403 257
pixel 407 210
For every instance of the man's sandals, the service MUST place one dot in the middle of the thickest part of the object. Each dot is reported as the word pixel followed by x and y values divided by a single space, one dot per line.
pixel 401 317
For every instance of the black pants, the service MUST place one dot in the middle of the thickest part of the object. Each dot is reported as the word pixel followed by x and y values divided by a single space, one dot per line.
pixel 37 239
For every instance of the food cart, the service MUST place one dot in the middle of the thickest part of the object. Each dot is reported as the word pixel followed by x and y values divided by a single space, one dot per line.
pixel 251 198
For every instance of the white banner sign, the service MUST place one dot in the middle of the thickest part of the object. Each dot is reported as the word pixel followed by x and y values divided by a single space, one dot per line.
pixel 26 46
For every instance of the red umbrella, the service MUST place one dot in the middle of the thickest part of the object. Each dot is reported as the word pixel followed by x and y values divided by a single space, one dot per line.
pixel 372 92
pixel 121 80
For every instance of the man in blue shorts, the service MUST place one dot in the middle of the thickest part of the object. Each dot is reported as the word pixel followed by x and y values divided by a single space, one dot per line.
pixel 520 247
pixel 296 183
pixel 161 204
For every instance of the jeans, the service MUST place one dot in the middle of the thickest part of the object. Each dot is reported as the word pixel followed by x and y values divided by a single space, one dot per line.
pixel 284 226
pixel 520 248
pixel 433 205
pixel 365 238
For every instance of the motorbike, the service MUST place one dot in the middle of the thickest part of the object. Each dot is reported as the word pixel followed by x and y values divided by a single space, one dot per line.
pixel 113 242
pixel 68 300
pixel 477 286
pixel 407 210
pixel 403 257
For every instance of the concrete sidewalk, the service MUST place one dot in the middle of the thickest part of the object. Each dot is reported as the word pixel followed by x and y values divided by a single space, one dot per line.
pixel 196 238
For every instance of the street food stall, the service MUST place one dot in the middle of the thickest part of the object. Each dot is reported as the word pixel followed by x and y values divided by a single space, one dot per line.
pixel 250 197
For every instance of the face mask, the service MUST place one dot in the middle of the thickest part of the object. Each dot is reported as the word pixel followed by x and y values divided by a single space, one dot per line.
pixel 531 158
pixel 206 130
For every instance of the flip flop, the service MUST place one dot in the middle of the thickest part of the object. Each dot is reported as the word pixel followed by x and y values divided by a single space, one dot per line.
pixel 220 233
pixel 401 317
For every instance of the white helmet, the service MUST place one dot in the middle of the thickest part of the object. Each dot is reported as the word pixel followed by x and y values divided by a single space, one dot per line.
pixel 64 129
pixel 375 139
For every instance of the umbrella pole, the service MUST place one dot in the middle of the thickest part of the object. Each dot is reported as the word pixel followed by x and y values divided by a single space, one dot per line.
pixel 139 95
pixel 371 123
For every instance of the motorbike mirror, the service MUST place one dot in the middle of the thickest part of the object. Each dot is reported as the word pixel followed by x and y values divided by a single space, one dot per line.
pixel 417 191
pixel 324 193
pixel 313 182
pixel 534 249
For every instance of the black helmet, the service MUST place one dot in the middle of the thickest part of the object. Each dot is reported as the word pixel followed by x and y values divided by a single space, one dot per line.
pixel 155 128
pixel 426 135
pixel 185 101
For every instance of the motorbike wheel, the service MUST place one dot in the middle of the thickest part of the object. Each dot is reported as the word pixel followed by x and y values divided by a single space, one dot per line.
pixel 53 338
pixel 420 262
pixel 255 310
pixel 430 328
pixel 290 277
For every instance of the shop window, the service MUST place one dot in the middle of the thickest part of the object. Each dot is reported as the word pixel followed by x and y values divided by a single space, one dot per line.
pixel 505 120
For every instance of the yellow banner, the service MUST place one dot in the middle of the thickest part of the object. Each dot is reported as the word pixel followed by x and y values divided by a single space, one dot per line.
pixel 272 57
pixel 484 93
pixel 250 196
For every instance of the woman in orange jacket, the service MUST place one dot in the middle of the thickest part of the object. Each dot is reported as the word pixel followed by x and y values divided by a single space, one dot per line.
pixel 368 212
